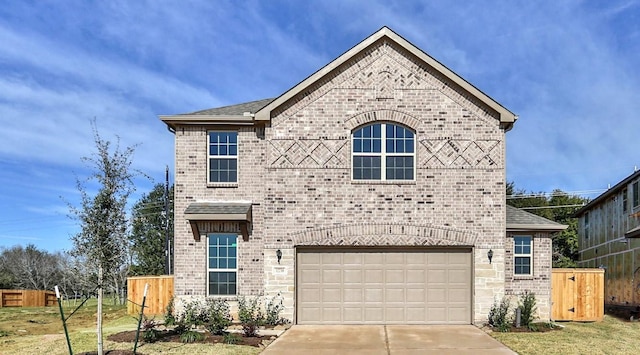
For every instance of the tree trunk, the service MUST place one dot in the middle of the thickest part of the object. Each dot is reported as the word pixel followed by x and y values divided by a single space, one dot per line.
pixel 100 279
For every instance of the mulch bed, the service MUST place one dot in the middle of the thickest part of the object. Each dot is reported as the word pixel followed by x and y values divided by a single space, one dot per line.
pixel 539 328
pixel 172 336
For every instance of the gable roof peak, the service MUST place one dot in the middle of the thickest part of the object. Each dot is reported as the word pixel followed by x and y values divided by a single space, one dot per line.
pixel 506 117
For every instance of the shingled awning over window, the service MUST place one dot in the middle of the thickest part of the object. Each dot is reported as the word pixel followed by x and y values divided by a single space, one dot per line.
pixel 220 212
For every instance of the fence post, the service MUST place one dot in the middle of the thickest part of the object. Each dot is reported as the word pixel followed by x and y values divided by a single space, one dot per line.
pixel 144 299
pixel 64 322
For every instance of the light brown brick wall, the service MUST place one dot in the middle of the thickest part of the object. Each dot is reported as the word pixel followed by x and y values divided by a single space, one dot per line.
pixel 538 283
pixel 298 176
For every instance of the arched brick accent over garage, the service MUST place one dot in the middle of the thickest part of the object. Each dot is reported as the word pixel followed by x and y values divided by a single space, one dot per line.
pixel 385 235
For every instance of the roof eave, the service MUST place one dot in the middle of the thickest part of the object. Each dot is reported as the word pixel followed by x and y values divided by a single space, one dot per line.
pixel 208 120
pixel 513 227
pixel 507 118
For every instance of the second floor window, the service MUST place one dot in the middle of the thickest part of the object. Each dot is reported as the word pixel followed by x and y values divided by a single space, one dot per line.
pixel 636 194
pixel 383 151
pixel 223 157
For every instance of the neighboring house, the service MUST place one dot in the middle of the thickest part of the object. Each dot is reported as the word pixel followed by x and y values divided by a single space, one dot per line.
pixel 609 238
pixel 371 192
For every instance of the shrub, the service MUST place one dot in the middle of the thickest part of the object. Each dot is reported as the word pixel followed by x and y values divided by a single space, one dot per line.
pixel 219 316
pixel 191 336
pixel 250 315
pixel 273 308
pixel 169 318
pixel 192 315
pixel 527 305
pixel 499 315
pixel 150 333
pixel 231 338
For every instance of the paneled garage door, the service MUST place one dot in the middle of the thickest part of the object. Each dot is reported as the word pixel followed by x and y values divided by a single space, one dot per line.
pixel 383 286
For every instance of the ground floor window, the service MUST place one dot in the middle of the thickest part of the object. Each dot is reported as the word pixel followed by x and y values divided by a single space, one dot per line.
pixel 522 254
pixel 222 256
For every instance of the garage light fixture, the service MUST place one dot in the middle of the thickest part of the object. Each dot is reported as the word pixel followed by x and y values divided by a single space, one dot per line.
pixel 490 255
pixel 279 255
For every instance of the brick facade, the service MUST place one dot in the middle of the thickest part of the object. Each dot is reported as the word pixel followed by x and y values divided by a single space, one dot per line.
pixel 540 279
pixel 296 172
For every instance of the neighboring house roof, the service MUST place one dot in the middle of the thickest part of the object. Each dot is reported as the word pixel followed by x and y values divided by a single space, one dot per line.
pixel 612 191
pixel 519 220
pixel 255 111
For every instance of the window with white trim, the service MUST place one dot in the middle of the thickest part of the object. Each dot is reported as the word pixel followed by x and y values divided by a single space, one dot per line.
pixel 635 194
pixel 222 264
pixel 383 151
pixel 523 256
pixel 223 157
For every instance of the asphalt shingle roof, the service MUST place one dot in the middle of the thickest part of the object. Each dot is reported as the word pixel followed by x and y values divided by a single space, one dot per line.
pixel 233 110
pixel 520 218
pixel 218 208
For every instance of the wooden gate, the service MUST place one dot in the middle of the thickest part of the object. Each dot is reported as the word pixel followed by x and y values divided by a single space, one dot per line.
pixel 577 294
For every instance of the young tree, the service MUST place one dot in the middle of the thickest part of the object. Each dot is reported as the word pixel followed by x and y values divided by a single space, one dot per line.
pixel 103 240
pixel 149 231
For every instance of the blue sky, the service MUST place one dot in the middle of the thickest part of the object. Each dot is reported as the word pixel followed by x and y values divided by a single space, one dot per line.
pixel 569 69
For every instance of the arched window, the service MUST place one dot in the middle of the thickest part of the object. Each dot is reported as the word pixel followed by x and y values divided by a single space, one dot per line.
pixel 383 151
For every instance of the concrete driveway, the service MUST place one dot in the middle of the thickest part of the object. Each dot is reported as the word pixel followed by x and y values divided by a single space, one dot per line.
pixel 384 340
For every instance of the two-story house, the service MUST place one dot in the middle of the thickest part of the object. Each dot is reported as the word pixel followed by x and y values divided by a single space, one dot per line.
pixel 609 238
pixel 371 192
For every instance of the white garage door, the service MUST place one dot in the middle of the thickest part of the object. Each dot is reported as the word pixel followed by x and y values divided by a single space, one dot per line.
pixel 390 286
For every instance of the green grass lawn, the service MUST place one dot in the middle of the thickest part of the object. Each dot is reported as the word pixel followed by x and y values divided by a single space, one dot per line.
pixel 611 336
pixel 38 330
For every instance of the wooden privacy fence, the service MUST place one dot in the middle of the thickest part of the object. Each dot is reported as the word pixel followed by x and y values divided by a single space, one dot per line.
pixel 158 296
pixel 577 294
pixel 27 298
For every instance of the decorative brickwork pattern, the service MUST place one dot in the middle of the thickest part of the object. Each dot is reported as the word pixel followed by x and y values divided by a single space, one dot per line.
pixel 308 153
pixel 385 235
pixel 460 153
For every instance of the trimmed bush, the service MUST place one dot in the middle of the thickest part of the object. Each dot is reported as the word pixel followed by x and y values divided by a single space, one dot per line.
pixel 499 315
pixel 250 315
pixel 273 308
pixel 527 305
pixel 219 316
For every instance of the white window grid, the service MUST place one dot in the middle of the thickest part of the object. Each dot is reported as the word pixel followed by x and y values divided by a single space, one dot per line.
pixel 383 154
pixel 523 255
pixel 220 157
pixel 209 270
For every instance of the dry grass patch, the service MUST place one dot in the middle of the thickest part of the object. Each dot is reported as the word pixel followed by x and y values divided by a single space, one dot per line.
pixel 611 336
pixel 38 330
